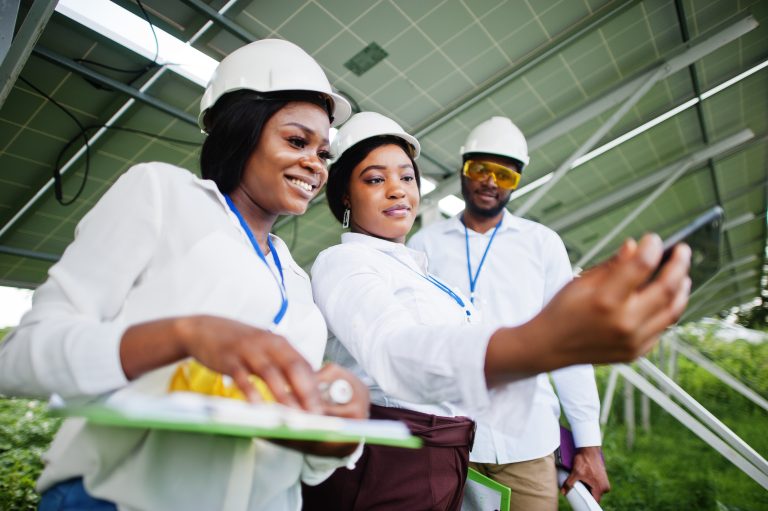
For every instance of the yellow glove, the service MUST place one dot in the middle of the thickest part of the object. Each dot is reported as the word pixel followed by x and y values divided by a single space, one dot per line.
pixel 192 376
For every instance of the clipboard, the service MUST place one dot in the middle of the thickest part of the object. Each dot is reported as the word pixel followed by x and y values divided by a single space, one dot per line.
pixel 196 413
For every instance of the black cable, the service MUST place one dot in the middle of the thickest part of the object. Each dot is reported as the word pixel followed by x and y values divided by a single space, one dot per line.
pixel 57 184
pixel 145 133
pixel 138 72
pixel 57 180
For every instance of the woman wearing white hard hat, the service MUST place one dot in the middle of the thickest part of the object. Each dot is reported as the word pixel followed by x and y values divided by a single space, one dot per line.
pixel 419 344
pixel 171 275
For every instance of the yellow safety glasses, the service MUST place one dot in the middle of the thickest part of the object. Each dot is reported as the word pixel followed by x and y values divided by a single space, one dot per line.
pixel 504 177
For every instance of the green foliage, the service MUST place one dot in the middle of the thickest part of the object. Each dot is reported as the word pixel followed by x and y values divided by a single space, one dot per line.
pixel 670 468
pixel 25 432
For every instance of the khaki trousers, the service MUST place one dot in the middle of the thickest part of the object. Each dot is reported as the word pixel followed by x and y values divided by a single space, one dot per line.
pixel 533 483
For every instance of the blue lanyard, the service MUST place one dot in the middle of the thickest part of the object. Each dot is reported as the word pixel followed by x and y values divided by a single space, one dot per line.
pixel 473 280
pixel 281 284
pixel 441 286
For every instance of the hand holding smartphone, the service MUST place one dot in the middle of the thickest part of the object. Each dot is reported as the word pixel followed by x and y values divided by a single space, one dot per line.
pixel 703 235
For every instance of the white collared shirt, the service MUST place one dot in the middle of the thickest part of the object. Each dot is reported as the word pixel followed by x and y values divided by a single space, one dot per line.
pixel 525 267
pixel 160 243
pixel 409 340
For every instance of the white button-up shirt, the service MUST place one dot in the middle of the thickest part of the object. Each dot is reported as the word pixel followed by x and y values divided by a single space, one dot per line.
pixel 160 243
pixel 403 335
pixel 525 266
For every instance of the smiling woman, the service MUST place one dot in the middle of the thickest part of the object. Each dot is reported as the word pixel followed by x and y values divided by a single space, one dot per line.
pixel 167 267
pixel 420 345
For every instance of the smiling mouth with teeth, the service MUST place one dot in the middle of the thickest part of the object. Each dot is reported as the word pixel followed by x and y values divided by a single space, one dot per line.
pixel 301 184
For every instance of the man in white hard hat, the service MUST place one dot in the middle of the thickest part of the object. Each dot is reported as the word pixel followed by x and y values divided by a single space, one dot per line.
pixel 511 267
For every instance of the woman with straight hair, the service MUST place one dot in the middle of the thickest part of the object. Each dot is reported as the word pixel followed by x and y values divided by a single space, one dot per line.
pixel 168 267
pixel 419 344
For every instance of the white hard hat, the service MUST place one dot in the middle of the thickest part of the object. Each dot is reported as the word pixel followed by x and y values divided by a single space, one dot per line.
pixel 271 65
pixel 366 125
pixel 499 136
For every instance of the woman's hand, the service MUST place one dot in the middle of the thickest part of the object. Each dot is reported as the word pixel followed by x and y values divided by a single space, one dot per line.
pixel 228 347
pixel 611 313
pixel 359 404
pixel 357 408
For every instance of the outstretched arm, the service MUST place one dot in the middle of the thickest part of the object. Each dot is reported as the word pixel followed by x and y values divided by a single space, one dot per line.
pixel 612 313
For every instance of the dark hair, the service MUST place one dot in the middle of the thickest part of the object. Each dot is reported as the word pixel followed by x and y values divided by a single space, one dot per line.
pixel 341 170
pixel 234 125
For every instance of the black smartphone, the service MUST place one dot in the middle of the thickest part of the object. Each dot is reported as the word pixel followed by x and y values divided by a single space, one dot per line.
pixel 703 235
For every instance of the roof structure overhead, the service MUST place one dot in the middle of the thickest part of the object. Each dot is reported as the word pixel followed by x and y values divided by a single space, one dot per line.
pixel 694 73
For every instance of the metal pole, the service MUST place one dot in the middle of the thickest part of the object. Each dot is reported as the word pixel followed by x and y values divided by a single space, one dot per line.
pixel 704 415
pixel 694 425
pixel 221 20
pixel 738 141
pixel 31 254
pixel 25 39
pixel 629 413
pixel 686 55
pixel 137 94
pixel 682 168
pixel 706 364
pixel 576 32
pixel 607 403
pixel 631 216
pixel 96 136
pixel 648 81
pixel 9 10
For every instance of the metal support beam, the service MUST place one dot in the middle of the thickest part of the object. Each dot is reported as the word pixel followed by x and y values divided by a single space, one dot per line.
pixel 733 300
pixel 629 412
pixel 23 42
pixel 29 254
pixel 649 79
pixel 704 415
pixel 697 50
pixel 137 94
pixel 575 33
pixel 704 303
pixel 691 353
pixel 651 181
pixel 9 11
pixel 686 55
pixel 221 20
pixel 633 214
pixel 720 284
pixel 694 425
pixel 607 402
pixel 97 136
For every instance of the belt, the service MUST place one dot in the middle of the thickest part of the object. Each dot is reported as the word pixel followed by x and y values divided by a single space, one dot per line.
pixel 433 430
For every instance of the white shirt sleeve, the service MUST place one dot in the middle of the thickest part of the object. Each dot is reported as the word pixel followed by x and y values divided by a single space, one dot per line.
pixel 317 469
pixel 408 360
pixel 575 385
pixel 69 341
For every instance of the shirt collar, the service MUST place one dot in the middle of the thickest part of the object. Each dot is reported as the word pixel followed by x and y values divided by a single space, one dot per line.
pixel 399 250
pixel 509 222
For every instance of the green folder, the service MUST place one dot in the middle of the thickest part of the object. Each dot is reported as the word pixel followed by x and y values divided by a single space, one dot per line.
pixel 372 431
pixel 484 494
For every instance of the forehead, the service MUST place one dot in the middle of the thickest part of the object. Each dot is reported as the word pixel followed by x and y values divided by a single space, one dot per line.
pixel 386 155
pixel 307 114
